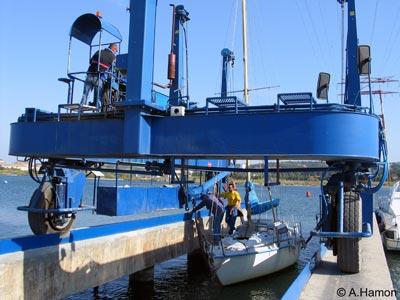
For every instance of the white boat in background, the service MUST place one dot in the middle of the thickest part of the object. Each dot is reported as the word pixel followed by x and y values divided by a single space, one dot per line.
pixel 271 247
pixel 388 217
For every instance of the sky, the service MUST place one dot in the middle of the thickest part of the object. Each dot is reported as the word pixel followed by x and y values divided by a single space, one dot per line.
pixel 290 42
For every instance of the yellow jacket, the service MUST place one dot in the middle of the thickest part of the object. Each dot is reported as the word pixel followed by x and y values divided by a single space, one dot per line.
pixel 233 198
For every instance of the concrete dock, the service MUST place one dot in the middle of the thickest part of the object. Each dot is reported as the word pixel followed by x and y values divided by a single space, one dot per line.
pixel 56 271
pixel 51 267
pixel 373 281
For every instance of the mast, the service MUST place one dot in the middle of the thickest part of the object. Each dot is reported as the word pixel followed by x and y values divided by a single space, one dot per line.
pixel 245 69
pixel 245 85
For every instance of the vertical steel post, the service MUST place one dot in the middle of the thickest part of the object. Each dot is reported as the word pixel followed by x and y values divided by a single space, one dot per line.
pixel 141 50
pixel 140 75
pixel 266 172
pixel 342 78
pixel 341 206
pixel 227 56
pixel 175 92
pixel 278 178
pixel 352 92
pixel 172 170
pixel 69 54
pixel 97 97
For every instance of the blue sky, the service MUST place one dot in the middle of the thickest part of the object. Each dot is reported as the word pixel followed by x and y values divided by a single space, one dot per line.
pixel 290 42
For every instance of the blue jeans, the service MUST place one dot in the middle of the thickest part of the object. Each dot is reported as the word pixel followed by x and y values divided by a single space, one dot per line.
pixel 230 219
pixel 92 82
pixel 217 226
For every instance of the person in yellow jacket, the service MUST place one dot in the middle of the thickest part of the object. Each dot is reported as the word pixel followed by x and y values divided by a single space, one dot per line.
pixel 233 208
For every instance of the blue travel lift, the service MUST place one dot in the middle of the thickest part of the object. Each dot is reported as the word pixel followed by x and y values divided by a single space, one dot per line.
pixel 163 133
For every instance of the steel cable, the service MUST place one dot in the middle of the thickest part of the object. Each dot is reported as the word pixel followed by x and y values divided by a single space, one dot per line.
pixel 308 34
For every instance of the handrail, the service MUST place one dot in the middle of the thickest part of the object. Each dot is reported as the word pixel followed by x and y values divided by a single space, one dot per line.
pixel 111 77
pixel 282 108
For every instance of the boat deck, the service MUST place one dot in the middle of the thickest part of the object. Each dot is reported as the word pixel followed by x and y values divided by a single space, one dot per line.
pixel 327 282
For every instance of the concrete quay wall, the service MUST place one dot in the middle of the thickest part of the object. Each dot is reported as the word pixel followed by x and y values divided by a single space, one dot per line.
pixel 58 271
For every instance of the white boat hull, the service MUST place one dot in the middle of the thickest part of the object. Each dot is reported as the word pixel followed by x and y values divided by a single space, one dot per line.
pixel 391 244
pixel 234 269
pixel 388 216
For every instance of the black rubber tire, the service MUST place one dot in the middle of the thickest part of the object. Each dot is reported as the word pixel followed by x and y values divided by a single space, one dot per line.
pixel 348 257
pixel 44 197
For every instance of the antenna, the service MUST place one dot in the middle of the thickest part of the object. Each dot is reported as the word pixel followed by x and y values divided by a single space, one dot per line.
pixel 380 92
pixel 253 89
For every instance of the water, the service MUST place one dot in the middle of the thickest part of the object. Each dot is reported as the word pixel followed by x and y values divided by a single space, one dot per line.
pixel 174 279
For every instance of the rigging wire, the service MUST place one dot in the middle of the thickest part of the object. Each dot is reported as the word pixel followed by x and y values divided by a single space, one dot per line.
pixel 228 27
pixel 232 22
pixel 391 41
pixel 339 37
pixel 233 42
pixel 326 35
pixel 391 49
pixel 234 26
pixel 231 80
pixel 258 19
pixel 342 52
pixel 308 33
pixel 315 32
pixel 255 67
pixel 252 54
pixel 185 30
pixel 373 23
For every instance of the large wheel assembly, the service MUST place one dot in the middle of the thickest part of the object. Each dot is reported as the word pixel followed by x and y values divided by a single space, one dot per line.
pixel 44 197
pixel 348 250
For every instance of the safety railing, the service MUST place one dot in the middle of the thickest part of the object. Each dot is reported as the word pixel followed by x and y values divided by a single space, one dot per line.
pixel 288 102
pixel 225 103
pixel 296 99
pixel 113 90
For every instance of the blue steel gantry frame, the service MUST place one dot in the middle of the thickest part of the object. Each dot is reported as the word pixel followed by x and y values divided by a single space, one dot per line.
pixel 325 132
pixel 348 137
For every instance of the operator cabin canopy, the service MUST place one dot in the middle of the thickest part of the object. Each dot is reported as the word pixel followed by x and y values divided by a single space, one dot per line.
pixel 88 25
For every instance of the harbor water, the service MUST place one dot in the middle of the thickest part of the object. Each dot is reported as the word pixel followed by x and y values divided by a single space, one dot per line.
pixel 176 279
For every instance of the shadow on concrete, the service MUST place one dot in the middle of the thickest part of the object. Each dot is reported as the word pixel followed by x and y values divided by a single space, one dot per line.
pixel 328 268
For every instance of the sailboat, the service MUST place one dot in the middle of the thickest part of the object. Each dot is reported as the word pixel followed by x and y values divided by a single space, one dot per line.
pixel 258 247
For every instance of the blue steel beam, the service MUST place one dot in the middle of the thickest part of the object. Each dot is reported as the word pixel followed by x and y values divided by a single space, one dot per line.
pixel 140 75
pixel 304 135
pixel 366 232
pixel 198 190
pixel 141 50
pixel 286 135
pixel 352 91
